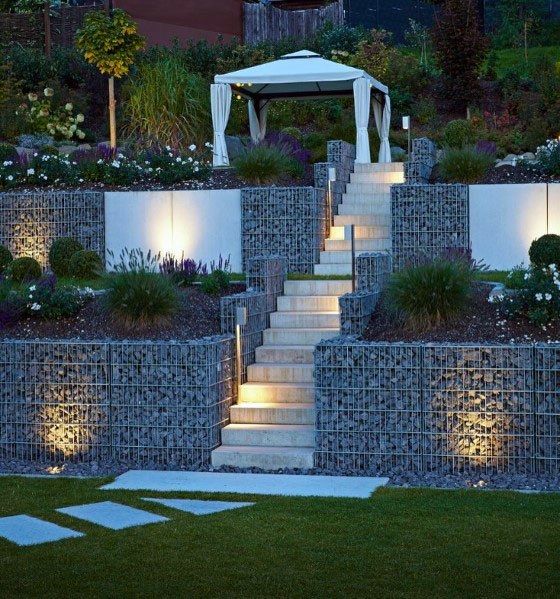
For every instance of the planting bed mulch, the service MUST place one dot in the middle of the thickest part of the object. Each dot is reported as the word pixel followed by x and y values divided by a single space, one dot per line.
pixel 198 316
pixel 481 323
pixel 517 174
pixel 220 179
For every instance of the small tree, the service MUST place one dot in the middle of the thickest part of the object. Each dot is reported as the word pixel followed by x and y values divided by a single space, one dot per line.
pixel 110 42
pixel 418 36
pixel 518 19
pixel 459 48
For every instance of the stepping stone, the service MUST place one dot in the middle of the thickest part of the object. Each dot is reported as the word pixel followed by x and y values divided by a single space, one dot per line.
pixel 294 485
pixel 198 506
pixel 112 515
pixel 25 530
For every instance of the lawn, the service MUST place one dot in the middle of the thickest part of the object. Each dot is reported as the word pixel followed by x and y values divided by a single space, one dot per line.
pixel 399 543
pixel 514 58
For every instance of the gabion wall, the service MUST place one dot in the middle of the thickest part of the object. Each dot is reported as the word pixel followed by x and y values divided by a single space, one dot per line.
pixel 446 408
pixel 428 220
pixel 422 161
pixel 286 221
pixel 146 404
pixel 31 221
pixel 265 282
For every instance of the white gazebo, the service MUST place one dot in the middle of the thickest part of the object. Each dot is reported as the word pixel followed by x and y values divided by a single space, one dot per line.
pixel 302 75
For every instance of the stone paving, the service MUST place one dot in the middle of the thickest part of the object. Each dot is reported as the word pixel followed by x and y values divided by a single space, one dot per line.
pixel 112 515
pixel 25 530
pixel 199 507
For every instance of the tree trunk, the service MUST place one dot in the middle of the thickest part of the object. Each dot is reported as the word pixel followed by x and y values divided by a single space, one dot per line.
pixel 112 114
pixel 47 24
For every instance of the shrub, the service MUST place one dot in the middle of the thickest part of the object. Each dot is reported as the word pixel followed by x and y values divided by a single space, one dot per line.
pixel 47 301
pixel 6 258
pixel 35 141
pixel 464 165
pixel 52 169
pixel 61 253
pixel 216 282
pixel 140 298
pixel 167 105
pixel 459 133
pixel 260 165
pixel 424 296
pixel 548 157
pixel 545 251
pixel 24 269
pixel 425 110
pixel 8 152
pixel 169 167
pixel 182 272
pixel 85 264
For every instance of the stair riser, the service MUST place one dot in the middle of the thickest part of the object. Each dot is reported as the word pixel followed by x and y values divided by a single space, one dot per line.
pixel 345 256
pixel 279 373
pixel 368 188
pixel 269 438
pixel 333 269
pixel 265 461
pixel 276 394
pixel 364 220
pixel 362 245
pixel 277 355
pixel 307 303
pixel 364 209
pixel 291 337
pixel 386 178
pixel 376 167
pixel 367 233
pixel 246 415
pixel 307 288
pixel 289 320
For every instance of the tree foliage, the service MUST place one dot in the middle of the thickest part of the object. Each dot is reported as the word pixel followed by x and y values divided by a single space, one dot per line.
pixel 110 42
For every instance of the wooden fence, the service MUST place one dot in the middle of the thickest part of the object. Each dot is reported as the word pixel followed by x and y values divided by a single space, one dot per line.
pixel 29 29
pixel 267 23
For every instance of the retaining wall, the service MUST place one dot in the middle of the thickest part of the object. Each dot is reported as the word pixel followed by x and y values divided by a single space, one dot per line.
pixel 145 404
pixel 446 408
pixel 31 221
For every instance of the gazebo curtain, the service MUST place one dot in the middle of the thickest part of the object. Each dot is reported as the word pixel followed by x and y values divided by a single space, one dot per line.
pixel 382 114
pixel 362 103
pixel 257 122
pixel 220 96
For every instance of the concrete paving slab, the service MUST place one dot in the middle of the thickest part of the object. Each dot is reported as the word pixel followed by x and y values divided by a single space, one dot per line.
pixel 112 515
pixel 199 507
pixel 257 484
pixel 26 530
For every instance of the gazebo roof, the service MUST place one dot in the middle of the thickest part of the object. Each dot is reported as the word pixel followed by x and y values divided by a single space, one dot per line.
pixel 298 75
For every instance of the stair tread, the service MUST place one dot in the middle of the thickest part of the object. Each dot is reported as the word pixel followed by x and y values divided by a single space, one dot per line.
pixel 306 312
pixel 289 385
pixel 278 427
pixel 304 329
pixel 263 449
pixel 275 405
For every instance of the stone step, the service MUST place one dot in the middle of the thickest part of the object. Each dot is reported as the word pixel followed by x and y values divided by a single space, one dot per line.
pixel 307 303
pixel 280 373
pixel 343 256
pixel 299 336
pixel 368 188
pixel 360 232
pixel 367 220
pixel 378 167
pixel 333 269
pixel 266 458
pixel 361 245
pixel 304 320
pixel 364 198
pixel 285 354
pixel 364 209
pixel 269 435
pixel 310 287
pixel 276 393
pixel 273 413
pixel 391 177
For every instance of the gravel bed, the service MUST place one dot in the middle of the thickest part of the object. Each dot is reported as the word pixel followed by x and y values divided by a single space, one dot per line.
pixel 496 481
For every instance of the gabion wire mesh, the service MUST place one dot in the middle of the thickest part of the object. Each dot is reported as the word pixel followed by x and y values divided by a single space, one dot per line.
pixel 156 404
pixel 30 222
pixel 428 220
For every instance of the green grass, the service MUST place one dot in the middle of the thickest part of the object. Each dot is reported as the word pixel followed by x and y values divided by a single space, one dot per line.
pixel 514 58
pixel 399 543
pixel 493 276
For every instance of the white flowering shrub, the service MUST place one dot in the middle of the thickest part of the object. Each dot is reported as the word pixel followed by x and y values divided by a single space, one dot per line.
pixel 57 121
pixel 537 297
pixel 46 300
pixel 548 157
pixel 11 174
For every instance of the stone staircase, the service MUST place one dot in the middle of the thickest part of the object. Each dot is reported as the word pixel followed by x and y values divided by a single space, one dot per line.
pixel 273 424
